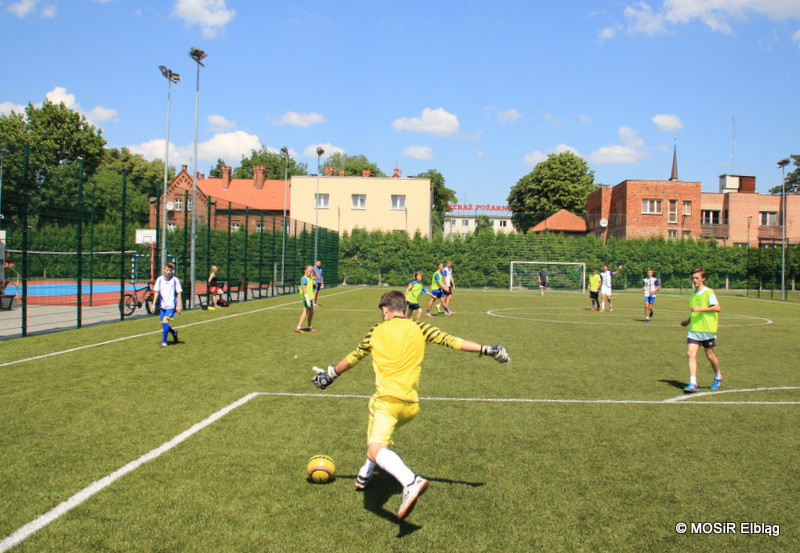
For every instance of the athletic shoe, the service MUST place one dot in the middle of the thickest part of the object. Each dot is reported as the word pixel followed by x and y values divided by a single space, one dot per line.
pixel 428 315
pixel 410 495
pixel 594 309
pixel 652 312
pixel 715 385
pixel 438 308
pixel 603 309
pixel 310 329
pixel 610 309
pixel 451 313
pixel 362 482
pixel 647 319
pixel 175 336
pixel 299 330
pixel 163 344
pixel 691 388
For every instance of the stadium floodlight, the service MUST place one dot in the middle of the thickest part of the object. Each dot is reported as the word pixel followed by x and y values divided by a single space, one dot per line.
pixel 782 164
pixel 285 152
pixel 197 55
pixel 172 77
pixel 320 151
pixel 524 275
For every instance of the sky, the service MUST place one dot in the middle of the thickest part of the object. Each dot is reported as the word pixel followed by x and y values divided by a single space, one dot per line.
pixel 479 91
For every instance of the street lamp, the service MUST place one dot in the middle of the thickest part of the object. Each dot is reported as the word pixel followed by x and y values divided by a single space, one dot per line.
pixel 782 164
pixel 197 55
pixel 749 220
pixel 3 153
pixel 285 152
pixel 320 151
pixel 172 78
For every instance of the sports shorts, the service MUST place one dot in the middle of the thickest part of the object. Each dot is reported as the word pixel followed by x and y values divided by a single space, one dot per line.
pixel 213 290
pixel 605 290
pixel 593 294
pixel 650 299
pixel 707 344
pixel 167 313
pixel 412 306
pixel 449 292
pixel 308 303
pixel 317 286
pixel 437 293
pixel 387 414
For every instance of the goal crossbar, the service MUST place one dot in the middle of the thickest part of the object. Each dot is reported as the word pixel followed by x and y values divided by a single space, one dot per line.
pixel 577 270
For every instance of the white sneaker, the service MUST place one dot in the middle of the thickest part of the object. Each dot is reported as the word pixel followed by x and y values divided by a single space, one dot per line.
pixel 362 481
pixel 410 495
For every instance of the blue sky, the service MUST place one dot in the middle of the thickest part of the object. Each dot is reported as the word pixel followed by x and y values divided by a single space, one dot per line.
pixel 480 91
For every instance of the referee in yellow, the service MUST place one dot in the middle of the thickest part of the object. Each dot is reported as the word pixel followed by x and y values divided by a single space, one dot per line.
pixel 397 346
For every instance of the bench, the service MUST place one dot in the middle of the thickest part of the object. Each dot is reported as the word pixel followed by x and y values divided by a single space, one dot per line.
pixel 235 287
pixel 263 289
pixel 6 301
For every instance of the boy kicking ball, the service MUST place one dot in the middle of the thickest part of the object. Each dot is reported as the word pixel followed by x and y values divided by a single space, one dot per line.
pixel 168 299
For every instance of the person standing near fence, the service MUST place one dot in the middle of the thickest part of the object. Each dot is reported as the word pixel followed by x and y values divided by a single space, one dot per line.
pixel 214 290
pixel 306 295
pixel 702 322
pixel 168 299
pixel 318 282
pixel 542 280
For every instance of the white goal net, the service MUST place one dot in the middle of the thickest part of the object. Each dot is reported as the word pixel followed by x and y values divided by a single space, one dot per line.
pixel 524 275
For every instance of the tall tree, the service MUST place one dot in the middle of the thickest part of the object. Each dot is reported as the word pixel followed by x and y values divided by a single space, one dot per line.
pixel 353 166
pixel 442 196
pixel 274 162
pixel 216 171
pixel 562 181
pixel 792 179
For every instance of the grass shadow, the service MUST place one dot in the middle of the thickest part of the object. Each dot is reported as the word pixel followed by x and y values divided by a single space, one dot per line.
pixel 674 383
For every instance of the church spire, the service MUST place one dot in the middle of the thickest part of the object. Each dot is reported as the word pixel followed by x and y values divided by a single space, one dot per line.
pixel 674 175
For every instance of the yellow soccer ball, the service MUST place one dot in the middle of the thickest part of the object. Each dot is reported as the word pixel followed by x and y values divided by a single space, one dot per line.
pixel 321 469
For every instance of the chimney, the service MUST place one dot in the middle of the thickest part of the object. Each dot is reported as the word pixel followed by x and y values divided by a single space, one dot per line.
pixel 341 172
pixel 365 172
pixel 258 173
pixel 396 174
pixel 226 176
pixel 329 171
pixel 184 168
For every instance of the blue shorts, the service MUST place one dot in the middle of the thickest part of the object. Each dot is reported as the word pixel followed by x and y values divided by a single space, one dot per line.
pixel 650 299
pixel 437 293
pixel 167 313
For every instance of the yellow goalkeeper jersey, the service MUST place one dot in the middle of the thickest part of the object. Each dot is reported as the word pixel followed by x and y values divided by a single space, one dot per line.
pixel 398 348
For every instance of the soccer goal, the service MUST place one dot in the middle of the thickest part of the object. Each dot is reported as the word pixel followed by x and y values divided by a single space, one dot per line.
pixel 524 275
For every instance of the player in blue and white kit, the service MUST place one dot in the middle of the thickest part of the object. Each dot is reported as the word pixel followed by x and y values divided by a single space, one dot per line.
pixel 168 299
pixel 651 286
pixel 605 287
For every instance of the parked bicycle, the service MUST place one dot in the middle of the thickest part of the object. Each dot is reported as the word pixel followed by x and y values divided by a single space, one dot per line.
pixel 139 296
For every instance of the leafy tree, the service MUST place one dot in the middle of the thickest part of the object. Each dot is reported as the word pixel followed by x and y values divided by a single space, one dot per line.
pixel 216 171
pixel 273 162
pixel 792 179
pixel 353 166
pixel 483 224
pixel 146 177
pixel 562 181
pixel 442 196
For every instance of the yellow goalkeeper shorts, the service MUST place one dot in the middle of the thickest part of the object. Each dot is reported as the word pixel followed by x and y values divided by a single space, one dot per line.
pixel 387 414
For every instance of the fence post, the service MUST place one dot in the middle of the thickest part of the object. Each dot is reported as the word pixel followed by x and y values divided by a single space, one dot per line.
pixel 80 242
pixel 122 253
pixel 25 243
pixel 246 235
pixel 190 293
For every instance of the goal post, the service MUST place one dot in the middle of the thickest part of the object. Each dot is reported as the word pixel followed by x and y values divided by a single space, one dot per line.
pixel 524 275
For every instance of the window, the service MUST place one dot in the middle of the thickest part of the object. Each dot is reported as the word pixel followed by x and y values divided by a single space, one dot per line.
pixel 673 211
pixel 452 222
pixel 321 201
pixel 178 204
pixel 358 201
pixel 709 217
pixel 234 227
pixel 651 207
pixel 464 222
pixel 491 222
pixel 503 223
pixel 398 202
pixel 768 218
pixel 687 234
pixel 687 208
pixel 672 234
pixel 188 204
pixel 464 235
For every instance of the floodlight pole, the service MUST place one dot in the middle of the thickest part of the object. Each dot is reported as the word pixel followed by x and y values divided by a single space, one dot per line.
pixel 782 164
pixel 172 78
pixel 3 153
pixel 320 151
pixel 285 152
pixel 197 55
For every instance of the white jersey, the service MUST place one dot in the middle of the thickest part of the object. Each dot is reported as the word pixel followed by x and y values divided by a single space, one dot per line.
pixel 605 279
pixel 650 285
pixel 168 291
pixel 447 274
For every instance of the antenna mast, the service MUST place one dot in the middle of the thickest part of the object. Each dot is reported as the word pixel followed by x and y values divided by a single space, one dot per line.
pixel 733 141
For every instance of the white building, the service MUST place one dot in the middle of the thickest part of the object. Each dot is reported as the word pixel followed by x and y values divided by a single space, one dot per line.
pixel 461 219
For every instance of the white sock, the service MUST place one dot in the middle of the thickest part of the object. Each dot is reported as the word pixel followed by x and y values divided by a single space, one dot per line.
pixel 718 376
pixel 366 470
pixel 391 462
pixel 693 380
pixel 603 305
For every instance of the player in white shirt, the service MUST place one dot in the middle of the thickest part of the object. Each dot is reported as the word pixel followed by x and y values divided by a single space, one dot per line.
pixel 605 287
pixel 449 284
pixel 651 286
pixel 168 299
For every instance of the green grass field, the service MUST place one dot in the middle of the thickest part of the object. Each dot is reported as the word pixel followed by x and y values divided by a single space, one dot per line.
pixel 584 442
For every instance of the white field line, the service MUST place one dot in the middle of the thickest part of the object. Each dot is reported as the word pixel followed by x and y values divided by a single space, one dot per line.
pixel 25 531
pixel 124 338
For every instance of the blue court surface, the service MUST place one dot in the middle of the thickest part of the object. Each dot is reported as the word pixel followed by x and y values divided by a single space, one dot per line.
pixel 69 289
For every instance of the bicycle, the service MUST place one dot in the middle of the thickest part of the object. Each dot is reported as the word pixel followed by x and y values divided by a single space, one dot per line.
pixel 133 300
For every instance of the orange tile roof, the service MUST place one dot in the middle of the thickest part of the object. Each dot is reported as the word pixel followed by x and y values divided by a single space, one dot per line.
pixel 245 193
pixel 562 221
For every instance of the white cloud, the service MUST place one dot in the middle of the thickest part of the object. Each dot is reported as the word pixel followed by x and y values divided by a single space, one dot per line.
pixel 607 34
pixel 7 107
pixel 96 115
pixel 585 119
pixel 101 114
pixel 49 11
pixel 536 157
pixel 218 123
pixel 418 152
pixel 642 19
pixel 553 120
pixel 154 149
pixel 229 146
pixel 311 150
pixel 667 123
pixel 60 95
pixel 796 38
pixel 23 7
pixel 507 115
pixel 434 121
pixel 480 154
pixel 210 15
pixel 630 151
pixel 300 119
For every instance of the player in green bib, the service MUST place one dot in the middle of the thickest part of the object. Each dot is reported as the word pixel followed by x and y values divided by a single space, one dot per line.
pixel 438 288
pixel 702 323
pixel 415 288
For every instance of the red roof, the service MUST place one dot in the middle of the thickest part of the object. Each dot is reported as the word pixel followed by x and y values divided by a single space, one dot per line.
pixel 562 221
pixel 245 193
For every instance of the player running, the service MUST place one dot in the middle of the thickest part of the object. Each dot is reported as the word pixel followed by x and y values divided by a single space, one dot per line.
pixel 438 288
pixel 703 321
pixel 167 297
pixel 397 346
pixel 415 288
pixel 651 286
pixel 449 282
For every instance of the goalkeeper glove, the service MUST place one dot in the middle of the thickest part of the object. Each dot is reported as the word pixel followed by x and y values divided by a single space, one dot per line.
pixel 324 377
pixel 498 352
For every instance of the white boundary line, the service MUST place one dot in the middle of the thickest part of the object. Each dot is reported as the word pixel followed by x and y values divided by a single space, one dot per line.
pixel 124 338
pixel 25 531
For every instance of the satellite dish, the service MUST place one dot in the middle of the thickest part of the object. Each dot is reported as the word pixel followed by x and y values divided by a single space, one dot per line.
pixel 603 222
pixel 171 207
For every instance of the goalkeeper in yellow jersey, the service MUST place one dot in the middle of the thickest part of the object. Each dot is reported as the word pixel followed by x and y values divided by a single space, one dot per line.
pixel 397 346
